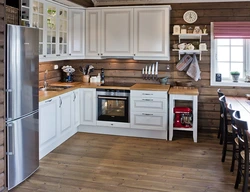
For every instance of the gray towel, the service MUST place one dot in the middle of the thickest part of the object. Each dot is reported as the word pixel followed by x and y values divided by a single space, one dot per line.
pixel 194 69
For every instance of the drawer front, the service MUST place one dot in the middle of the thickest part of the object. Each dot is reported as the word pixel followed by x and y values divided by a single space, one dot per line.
pixel 149 94
pixel 148 104
pixel 152 121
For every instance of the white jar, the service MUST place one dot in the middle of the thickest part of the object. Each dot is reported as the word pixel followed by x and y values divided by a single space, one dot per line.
pixel 203 47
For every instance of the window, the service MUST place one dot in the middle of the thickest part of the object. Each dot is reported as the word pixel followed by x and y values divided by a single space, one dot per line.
pixel 229 53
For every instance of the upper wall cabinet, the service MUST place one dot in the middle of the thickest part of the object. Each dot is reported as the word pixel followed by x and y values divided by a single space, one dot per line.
pixel 56 30
pixel 139 32
pixel 109 32
pixel 76 33
pixel 38 22
pixel 52 21
pixel 93 37
pixel 151 32
pixel 117 32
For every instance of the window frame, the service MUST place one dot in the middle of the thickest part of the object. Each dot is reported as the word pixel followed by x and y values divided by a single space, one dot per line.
pixel 213 65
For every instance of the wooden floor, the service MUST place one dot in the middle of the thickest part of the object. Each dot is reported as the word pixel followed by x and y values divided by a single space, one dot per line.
pixel 98 163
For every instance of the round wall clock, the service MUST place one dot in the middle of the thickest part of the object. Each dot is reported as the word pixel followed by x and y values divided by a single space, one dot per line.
pixel 190 16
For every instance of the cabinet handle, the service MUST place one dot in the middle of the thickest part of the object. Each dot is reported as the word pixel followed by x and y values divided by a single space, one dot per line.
pixel 60 102
pixel 148 114
pixel 101 54
pixel 74 97
pixel 147 99
pixel 44 56
pixel 10 139
pixel 147 94
pixel 58 55
pixel 98 54
pixel 134 54
pixel 48 101
pixel 70 54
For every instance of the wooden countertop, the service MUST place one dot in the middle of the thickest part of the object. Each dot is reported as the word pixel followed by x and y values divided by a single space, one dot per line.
pixel 44 95
pixel 183 91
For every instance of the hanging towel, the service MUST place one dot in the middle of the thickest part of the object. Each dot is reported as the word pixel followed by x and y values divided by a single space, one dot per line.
pixel 184 62
pixel 194 69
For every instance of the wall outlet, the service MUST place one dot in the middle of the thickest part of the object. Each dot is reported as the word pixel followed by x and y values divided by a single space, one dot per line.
pixel 55 66
pixel 168 68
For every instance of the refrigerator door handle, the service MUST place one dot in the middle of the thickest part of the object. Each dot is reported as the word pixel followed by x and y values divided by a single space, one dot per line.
pixel 10 139
pixel 8 100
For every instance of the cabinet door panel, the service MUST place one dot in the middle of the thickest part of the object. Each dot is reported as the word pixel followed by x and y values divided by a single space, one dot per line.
pixel 48 121
pixel 117 36
pixel 93 24
pixel 149 104
pixel 88 106
pixel 151 32
pixel 76 32
pixel 65 112
pixel 153 121
pixel 76 108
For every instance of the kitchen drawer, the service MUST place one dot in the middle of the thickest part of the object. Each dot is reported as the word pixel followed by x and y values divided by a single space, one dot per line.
pixel 152 121
pixel 149 94
pixel 148 104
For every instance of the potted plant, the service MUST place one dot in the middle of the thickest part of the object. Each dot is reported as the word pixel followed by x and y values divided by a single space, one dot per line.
pixel 235 75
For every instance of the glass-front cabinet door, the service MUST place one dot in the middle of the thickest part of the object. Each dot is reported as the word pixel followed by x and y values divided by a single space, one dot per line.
pixel 63 31
pixel 38 22
pixel 51 15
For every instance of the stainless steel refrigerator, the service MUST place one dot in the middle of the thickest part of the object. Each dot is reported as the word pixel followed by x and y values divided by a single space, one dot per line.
pixel 22 97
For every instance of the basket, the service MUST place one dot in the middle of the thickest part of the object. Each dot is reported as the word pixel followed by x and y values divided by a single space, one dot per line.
pixel 11 15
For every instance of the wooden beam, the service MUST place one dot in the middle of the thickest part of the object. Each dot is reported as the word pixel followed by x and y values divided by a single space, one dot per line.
pixel 84 3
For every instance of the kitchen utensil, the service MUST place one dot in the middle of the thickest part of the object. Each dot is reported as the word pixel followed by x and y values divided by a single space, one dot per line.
pixel 86 69
pixel 90 69
pixel 81 69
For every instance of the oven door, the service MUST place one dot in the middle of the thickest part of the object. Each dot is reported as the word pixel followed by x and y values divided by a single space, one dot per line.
pixel 113 108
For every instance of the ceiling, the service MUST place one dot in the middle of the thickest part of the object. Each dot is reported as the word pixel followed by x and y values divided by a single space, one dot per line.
pixel 96 3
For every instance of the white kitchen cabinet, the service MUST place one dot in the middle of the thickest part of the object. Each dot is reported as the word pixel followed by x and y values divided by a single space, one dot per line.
pixel 56 30
pixel 117 32
pixel 109 32
pixel 58 121
pixel 149 110
pixel 65 109
pixel 93 33
pixel 151 32
pixel 76 34
pixel 149 120
pixel 48 125
pixel 52 21
pixel 38 21
pixel 88 106
pixel 76 108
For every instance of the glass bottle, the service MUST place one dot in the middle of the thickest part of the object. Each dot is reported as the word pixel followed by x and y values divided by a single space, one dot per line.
pixel 102 76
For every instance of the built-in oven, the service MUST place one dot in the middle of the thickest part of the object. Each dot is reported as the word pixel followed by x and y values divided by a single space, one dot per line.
pixel 113 105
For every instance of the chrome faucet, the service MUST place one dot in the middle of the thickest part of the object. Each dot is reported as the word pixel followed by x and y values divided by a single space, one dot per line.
pixel 45 83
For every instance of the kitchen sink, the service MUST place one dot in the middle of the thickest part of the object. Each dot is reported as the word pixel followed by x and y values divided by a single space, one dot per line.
pixel 54 88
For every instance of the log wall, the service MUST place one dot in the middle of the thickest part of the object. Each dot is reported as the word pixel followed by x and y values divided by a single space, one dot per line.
pixel 130 70
pixel 2 124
